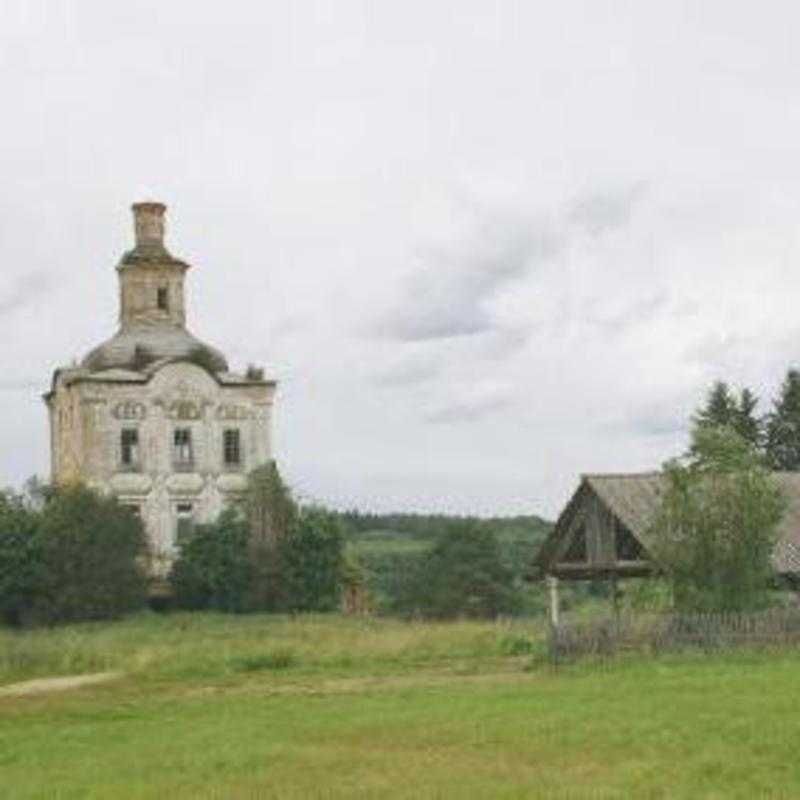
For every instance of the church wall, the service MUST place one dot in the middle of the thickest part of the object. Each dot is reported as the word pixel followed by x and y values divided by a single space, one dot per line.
pixel 179 395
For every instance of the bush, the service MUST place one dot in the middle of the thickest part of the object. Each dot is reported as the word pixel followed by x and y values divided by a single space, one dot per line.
pixel 262 556
pixel 311 560
pixel 717 525
pixel 463 575
pixel 213 570
pixel 20 557
pixel 92 555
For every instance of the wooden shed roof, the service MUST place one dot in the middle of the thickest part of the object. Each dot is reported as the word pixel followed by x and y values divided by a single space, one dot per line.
pixel 634 498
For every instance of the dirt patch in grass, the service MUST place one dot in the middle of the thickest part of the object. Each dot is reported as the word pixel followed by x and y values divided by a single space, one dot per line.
pixel 42 685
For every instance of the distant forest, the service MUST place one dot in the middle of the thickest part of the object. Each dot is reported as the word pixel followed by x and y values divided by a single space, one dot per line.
pixel 392 547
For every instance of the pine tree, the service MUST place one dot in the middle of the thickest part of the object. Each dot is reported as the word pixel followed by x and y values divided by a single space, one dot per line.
pixel 724 409
pixel 783 426
pixel 720 407
pixel 745 421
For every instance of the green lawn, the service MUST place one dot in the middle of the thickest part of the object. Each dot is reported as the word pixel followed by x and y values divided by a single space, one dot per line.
pixel 260 706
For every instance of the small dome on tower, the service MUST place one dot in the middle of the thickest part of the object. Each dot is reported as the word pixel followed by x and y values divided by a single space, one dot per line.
pixel 152 310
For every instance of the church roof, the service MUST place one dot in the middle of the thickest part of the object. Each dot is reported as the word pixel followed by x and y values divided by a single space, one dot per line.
pixel 137 346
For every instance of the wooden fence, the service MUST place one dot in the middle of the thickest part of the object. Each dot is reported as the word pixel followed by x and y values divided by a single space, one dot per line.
pixel 673 632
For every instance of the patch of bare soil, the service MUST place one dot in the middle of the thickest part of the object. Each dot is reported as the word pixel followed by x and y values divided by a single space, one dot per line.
pixel 42 685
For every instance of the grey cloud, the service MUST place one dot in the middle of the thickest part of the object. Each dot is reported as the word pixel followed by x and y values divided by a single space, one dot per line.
pixel 21 385
pixel 469 409
pixel 666 413
pixel 447 295
pixel 409 373
pixel 25 290
pixel 601 212
pixel 638 312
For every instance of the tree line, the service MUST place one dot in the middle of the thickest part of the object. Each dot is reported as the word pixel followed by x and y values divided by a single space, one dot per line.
pixel 775 434
pixel 718 521
pixel 70 553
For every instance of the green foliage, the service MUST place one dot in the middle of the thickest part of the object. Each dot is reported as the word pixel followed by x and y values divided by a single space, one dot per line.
pixel 312 561
pixel 724 409
pixel 268 503
pixel 271 513
pixel 20 557
pixel 390 547
pixel 214 568
pixel 783 426
pixel 264 555
pixel 92 550
pixel 279 659
pixel 717 524
pixel 463 574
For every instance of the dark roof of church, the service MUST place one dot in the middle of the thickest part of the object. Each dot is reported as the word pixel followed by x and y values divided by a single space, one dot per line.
pixel 137 346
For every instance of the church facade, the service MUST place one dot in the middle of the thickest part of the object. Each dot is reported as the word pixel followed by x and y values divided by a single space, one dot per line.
pixel 153 415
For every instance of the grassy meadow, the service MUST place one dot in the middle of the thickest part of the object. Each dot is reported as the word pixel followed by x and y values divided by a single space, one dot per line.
pixel 204 705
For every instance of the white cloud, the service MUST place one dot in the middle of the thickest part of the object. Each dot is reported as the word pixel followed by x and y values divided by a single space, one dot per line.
pixel 548 229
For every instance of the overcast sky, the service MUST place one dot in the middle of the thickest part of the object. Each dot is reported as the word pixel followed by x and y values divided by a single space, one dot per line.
pixel 483 246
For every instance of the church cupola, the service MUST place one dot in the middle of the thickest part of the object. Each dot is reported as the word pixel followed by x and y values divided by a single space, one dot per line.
pixel 148 222
pixel 152 309
pixel 151 280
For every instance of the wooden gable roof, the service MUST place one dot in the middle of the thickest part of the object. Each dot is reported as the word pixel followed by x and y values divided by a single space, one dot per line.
pixel 627 504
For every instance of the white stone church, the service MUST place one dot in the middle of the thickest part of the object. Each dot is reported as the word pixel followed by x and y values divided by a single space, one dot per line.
pixel 154 415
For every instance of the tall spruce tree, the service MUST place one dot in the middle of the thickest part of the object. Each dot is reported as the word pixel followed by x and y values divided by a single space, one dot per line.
pixel 724 409
pixel 745 421
pixel 782 441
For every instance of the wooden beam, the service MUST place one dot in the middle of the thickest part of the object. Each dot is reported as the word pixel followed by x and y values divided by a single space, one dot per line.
pixel 552 585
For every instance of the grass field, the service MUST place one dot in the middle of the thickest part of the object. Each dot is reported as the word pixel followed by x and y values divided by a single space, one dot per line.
pixel 260 706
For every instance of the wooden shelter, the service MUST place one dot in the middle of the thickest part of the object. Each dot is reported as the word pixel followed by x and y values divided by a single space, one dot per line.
pixel 604 530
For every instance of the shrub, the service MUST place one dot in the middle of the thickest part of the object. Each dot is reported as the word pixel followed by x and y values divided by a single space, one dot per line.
pixel 213 569
pixel 279 659
pixel 20 557
pixel 717 525
pixel 463 575
pixel 264 555
pixel 311 560
pixel 92 551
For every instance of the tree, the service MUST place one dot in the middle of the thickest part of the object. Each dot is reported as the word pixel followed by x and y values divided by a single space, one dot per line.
pixel 782 444
pixel 263 554
pixel 271 514
pixel 20 557
pixel 463 574
pixel 717 524
pixel 269 505
pixel 745 421
pixel 724 409
pixel 213 569
pixel 311 562
pixel 93 551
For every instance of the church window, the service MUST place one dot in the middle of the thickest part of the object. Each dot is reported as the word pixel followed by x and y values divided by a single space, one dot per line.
pixel 129 448
pixel 232 451
pixel 163 298
pixel 184 522
pixel 182 457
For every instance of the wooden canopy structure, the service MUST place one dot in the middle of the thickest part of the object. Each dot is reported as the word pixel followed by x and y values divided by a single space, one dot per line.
pixel 605 528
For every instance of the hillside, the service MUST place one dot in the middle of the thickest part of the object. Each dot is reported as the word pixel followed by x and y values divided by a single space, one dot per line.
pixel 387 545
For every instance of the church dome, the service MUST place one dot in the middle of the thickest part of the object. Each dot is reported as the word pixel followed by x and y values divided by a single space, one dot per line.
pixel 152 311
pixel 138 346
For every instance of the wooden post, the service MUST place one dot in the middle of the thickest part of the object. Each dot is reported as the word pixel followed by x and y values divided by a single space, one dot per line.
pixel 615 595
pixel 552 585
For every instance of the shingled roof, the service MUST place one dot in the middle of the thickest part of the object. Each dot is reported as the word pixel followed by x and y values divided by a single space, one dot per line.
pixel 634 499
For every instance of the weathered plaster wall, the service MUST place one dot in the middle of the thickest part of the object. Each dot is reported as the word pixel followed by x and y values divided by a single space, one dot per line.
pixel 90 414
